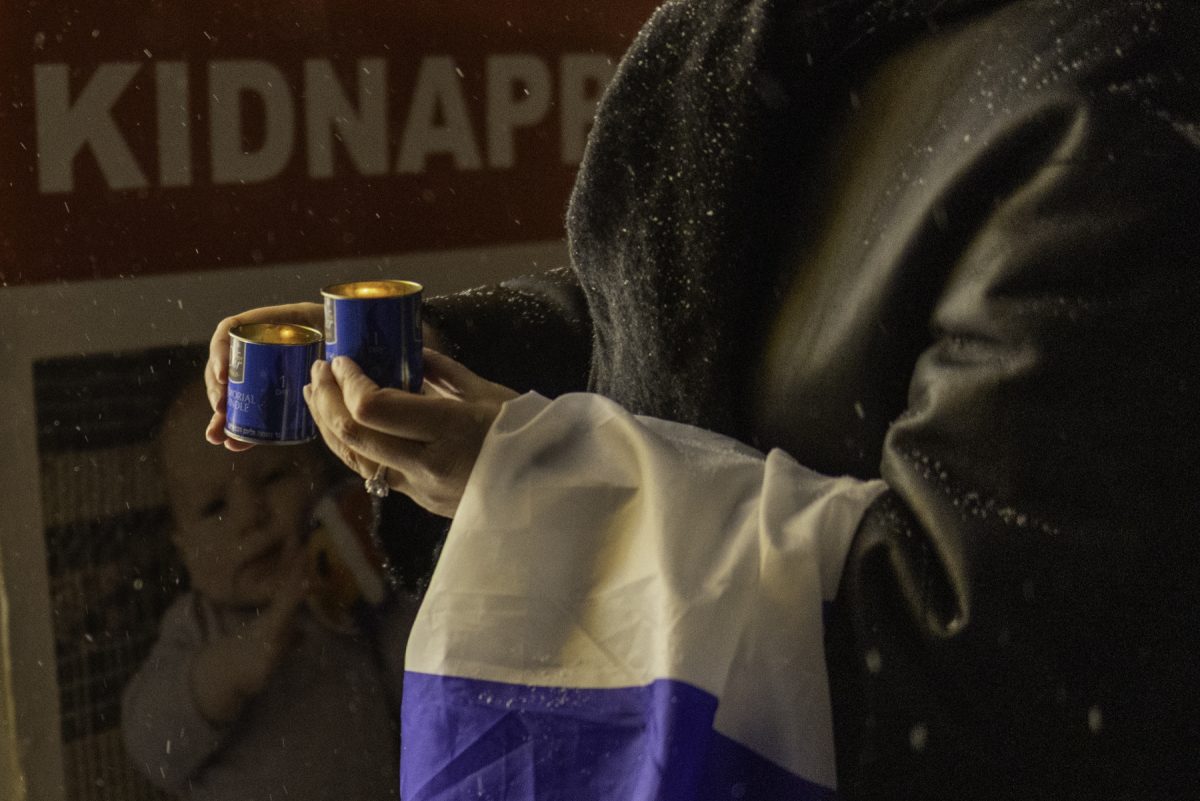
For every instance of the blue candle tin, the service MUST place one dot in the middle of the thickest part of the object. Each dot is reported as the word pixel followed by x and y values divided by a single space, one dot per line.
pixel 378 325
pixel 269 365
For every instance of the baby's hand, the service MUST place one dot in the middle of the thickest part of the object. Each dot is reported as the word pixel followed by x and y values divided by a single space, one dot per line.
pixel 233 669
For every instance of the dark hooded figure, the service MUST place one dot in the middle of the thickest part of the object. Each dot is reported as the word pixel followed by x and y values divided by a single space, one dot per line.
pixel 952 244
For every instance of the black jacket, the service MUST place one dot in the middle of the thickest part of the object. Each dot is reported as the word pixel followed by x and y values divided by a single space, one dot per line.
pixel 955 245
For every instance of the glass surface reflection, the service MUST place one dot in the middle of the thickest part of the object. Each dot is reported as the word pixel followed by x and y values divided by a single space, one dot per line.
pixel 164 163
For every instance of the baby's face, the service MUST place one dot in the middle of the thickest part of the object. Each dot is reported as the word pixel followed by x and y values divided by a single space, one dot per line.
pixel 240 517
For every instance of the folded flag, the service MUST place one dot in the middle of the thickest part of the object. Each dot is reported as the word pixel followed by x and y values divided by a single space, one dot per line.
pixel 627 609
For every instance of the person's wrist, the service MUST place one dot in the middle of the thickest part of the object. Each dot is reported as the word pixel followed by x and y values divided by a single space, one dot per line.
pixel 213 695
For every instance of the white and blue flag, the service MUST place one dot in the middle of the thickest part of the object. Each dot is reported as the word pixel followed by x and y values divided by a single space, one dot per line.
pixel 627 610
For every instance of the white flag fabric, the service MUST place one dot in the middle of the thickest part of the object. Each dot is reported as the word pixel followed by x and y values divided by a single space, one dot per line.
pixel 627 609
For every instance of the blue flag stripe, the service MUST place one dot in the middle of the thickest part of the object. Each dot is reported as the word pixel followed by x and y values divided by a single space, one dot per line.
pixel 492 741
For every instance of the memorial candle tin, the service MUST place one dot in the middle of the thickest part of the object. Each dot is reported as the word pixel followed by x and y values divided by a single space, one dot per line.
pixel 269 365
pixel 378 325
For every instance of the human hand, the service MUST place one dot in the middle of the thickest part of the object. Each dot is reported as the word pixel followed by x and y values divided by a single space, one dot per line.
pixel 216 372
pixel 234 668
pixel 429 442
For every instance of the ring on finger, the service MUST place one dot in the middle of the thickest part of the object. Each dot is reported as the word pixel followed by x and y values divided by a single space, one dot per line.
pixel 377 484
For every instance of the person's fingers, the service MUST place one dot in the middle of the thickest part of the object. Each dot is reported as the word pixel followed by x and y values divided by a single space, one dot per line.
pixel 215 432
pixel 293 587
pixel 391 411
pixel 429 444
pixel 319 407
pixel 359 444
pixel 438 389
pixel 337 427
pixel 216 370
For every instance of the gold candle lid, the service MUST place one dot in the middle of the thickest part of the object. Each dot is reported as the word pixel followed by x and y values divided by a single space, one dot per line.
pixel 276 333
pixel 367 290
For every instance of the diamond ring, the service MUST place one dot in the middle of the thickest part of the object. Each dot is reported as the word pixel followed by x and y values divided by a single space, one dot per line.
pixel 377 484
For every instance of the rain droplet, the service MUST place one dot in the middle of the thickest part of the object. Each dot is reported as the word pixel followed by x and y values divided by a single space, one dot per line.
pixel 918 736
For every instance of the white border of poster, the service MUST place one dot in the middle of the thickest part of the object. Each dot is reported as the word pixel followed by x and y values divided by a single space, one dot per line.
pixel 54 320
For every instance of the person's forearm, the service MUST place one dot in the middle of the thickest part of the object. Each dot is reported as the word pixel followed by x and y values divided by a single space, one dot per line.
pixel 214 687
pixel 166 737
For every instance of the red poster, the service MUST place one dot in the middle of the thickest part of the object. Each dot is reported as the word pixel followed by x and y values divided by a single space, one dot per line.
pixel 161 136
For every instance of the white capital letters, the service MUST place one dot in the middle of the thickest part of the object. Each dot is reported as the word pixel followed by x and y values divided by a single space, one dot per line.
pixel 506 110
pixel 64 129
pixel 581 71
pixel 437 88
pixel 327 110
pixel 227 81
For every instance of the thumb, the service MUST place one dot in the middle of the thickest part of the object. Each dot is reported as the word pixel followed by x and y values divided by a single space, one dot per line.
pixel 349 375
